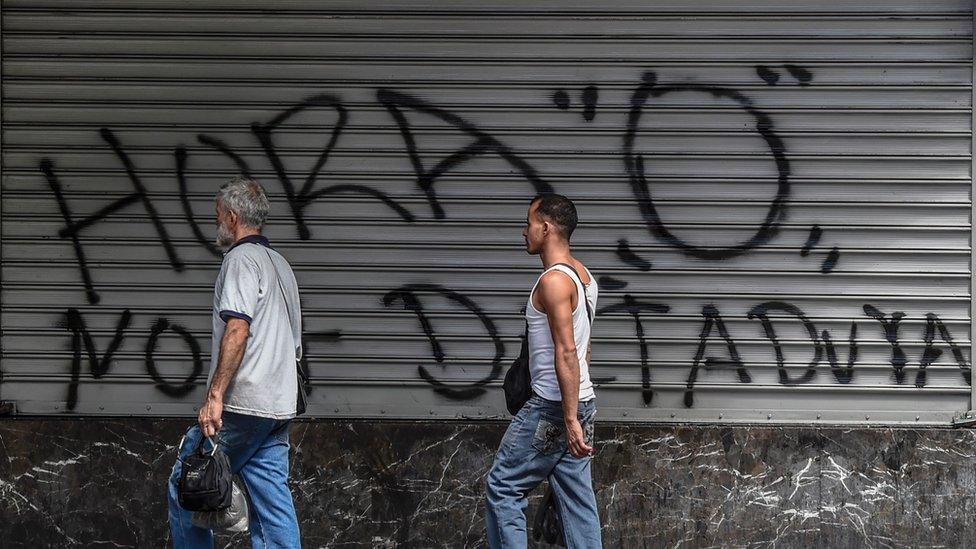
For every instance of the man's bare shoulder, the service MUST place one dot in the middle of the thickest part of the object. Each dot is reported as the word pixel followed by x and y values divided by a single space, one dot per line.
pixel 555 283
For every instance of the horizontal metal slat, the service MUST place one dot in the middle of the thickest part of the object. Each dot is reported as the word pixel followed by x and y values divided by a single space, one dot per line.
pixel 748 50
pixel 396 164
pixel 519 96
pixel 382 279
pixel 321 307
pixel 283 234
pixel 239 116
pixel 729 73
pixel 339 208
pixel 444 141
pixel 462 186
pixel 408 26
pixel 514 8
pixel 553 144
pixel 606 258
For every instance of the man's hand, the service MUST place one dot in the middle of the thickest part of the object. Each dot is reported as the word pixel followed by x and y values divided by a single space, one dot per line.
pixel 574 439
pixel 209 418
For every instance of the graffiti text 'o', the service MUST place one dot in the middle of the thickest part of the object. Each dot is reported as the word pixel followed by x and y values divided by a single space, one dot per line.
pixel 642 191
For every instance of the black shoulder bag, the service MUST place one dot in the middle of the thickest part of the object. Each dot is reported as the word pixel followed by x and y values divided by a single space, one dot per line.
pixel 518 380
pixel 301 398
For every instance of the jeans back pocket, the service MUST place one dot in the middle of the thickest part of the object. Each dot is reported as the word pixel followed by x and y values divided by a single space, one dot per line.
pixel 588 431
pixel 550 436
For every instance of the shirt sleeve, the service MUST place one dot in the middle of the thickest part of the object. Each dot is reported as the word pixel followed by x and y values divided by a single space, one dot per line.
pixel 239 294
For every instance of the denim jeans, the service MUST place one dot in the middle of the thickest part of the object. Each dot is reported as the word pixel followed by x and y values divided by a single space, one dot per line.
pixel 258 452
pixel 534 447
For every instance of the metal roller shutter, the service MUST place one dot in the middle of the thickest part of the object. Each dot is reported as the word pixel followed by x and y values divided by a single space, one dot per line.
pixel 760 185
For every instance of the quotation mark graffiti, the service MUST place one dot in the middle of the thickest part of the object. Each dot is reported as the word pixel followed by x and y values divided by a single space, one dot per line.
pixel 589 97
pixel 610 283
pixel 832 257
pixel 629 257
pixel 771 77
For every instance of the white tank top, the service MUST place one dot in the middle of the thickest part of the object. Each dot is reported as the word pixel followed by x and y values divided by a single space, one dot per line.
pixel 542 364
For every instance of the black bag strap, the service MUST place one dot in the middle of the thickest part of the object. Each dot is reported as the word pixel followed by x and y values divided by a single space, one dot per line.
pixel 589 311
pixel 198 449
pixel 281 287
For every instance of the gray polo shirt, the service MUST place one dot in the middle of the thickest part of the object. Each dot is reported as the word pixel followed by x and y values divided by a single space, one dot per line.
pixel 247 288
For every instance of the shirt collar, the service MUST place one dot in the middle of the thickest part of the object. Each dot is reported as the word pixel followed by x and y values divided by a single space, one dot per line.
pixel 252 239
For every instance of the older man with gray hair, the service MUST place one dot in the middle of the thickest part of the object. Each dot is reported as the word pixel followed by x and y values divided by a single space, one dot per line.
pixel 252 387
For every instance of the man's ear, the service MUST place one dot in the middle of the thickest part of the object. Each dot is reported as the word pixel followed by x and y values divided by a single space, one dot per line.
pixel 546 228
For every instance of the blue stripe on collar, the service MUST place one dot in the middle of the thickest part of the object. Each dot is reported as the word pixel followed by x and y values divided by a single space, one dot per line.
pixel 253 239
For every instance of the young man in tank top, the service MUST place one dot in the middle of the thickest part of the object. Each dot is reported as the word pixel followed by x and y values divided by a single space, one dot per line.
pixel 552 435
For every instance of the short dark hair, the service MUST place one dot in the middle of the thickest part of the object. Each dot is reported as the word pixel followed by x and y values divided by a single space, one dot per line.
pixel 559 210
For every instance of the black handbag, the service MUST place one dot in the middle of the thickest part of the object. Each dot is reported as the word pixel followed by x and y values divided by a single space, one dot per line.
pixel 548 525
pixel 301 398
pixel 518 380
pixel 206 480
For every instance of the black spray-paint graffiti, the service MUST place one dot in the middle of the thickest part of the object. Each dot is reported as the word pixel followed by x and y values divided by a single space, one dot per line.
pixel 72 227
pixel 763 124
pixel 396 103
pixel 761 312
pixel 408 295
pixel 713 320
pixel 890 328
pixel 634 162
pixel 299 200
pixel 843 375
pixel 589 97
pixel 80 335
pixel 626 255
pixel 931 354
pixel 634 308
pixel 771 77
pixel 176 391
pixel 301 191
pixel 181 156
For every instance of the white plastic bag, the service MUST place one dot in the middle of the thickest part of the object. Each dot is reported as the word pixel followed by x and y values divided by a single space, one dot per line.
pixel 231 519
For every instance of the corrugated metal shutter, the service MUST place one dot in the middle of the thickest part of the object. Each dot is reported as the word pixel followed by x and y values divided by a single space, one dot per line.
pixel 760 183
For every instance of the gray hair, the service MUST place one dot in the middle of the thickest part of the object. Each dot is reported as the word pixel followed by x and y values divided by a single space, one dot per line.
pixel 245 197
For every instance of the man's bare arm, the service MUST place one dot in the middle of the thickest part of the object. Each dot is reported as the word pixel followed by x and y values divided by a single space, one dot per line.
pixel 556 296
pixel 232 346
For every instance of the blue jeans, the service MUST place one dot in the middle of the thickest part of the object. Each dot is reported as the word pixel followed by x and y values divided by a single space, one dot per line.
pixel 534 447
pixel 258 452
